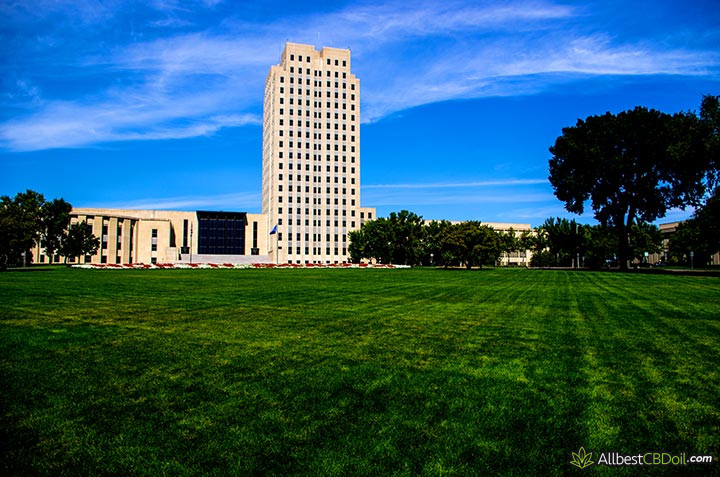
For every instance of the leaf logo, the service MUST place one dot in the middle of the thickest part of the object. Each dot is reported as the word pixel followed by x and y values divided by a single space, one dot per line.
pixel 581 459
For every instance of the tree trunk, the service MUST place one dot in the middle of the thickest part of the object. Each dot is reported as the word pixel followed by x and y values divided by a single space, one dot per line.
pixel 623 248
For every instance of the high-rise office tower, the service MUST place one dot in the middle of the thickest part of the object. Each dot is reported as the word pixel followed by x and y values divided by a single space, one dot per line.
pixel 311 155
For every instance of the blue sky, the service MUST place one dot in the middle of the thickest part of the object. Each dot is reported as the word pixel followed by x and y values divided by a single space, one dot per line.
pixel 158 104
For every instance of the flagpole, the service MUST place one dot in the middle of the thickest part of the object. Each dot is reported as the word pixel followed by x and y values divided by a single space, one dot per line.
pixel 274 231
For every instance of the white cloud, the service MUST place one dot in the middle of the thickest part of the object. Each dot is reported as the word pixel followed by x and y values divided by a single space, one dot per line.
pixel 405 54
pixel 244 201
pixel 429 197
pixel 458 185
pixel 63 124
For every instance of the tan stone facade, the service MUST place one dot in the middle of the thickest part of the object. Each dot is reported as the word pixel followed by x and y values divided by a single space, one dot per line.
pixel 159 236
pixel 311 155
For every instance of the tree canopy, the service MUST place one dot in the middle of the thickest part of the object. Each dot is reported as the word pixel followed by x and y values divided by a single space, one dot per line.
pixel 471 244
pixel 20 226
pixel 79 241
pixel 404 238
pixel 635 165
pixel 395 239
pixel 27 219
pixel 54 225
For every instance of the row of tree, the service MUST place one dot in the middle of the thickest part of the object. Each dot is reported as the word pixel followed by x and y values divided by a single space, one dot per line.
pixel 28 219
pixel 403 238
pixel 560 242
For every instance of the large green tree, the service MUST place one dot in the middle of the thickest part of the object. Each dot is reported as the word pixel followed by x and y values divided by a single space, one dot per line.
pixel 396 239
pixel 20 226
pixel 564 239
pixel 407 231
pixel 470 244
pixel 431 242
pixel 55 219
pixel 79 241
pixel 373 241
pixel 634 166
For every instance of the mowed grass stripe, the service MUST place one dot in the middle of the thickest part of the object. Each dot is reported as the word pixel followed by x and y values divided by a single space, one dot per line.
pixel 352 372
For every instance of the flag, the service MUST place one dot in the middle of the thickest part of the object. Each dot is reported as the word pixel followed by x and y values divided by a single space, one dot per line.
pixel 274 230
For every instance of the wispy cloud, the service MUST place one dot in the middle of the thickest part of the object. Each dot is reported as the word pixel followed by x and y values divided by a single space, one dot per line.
pixel 403 198
pixel 458 185
pixel 63 124
pixel 242 201
pixel 181 85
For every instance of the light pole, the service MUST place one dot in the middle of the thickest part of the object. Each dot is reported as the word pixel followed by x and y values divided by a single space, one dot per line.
pixel 191 234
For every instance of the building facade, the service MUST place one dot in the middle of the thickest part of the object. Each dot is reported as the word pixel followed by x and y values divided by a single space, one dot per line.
pixel 165 236
pixel 311 155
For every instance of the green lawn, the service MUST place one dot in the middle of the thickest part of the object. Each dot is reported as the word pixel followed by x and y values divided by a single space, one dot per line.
pixel 354 372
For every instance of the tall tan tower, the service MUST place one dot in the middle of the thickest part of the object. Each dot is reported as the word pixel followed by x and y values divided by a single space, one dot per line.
pixel 311 155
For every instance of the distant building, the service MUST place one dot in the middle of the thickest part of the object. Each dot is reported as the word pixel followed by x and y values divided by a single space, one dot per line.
pixel 520 257
pixel 164 236
pixel 311 155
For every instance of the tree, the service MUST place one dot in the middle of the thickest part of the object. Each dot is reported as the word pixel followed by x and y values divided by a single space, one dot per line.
pixel 407 234
pixel 509 241
pixel 431 246
pixel 396 239
pixel 55 218
pixel 373 241
pixel 20 225
pixel 634 166
pixel 470 243
pixel 700 234
pixel 645 238
pixel 357 245
pixel 601 247
pixel 565 239
pixel 79 241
